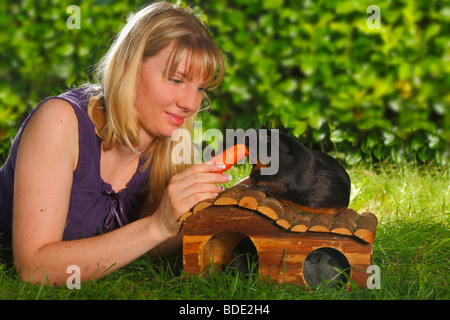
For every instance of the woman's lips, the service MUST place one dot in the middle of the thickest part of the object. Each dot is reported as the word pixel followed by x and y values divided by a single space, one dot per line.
pixel 174 119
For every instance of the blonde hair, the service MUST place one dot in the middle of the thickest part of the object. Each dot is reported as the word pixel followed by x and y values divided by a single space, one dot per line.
pixel 149 31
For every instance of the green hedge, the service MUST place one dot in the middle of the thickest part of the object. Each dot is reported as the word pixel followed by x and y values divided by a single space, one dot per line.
pixel 312 68
pixel 40 56
pixel 315 68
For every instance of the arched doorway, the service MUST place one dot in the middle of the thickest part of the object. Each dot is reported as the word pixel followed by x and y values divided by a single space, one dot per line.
pixel 326 265
pixel 230 248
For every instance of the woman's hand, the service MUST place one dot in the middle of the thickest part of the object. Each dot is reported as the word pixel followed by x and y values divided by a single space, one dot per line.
pixel 185 190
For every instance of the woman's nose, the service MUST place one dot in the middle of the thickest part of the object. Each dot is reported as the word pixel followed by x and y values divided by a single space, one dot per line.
pixel 190 99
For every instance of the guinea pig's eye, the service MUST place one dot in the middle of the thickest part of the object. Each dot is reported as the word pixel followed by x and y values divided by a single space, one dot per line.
pixel 283 147
pixel 330 262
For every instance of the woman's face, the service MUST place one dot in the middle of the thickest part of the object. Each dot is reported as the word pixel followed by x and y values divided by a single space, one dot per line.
pixel 164 104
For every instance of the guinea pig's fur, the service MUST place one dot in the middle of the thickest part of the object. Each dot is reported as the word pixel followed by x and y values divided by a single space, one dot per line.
pixel 311 180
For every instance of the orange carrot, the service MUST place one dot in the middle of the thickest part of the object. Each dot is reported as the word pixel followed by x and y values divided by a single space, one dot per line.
pixel 231 156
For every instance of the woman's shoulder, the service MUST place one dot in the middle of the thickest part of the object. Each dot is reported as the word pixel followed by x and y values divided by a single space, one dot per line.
pixel 54 113
pixel 68 109
pixel 69 105
pixel 53 124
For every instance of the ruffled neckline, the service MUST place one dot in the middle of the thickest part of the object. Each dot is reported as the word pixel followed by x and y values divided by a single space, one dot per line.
pixel 130 186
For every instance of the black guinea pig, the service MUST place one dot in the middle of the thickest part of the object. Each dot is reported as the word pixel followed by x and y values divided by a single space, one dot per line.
pixel 326 264
pixel 309 179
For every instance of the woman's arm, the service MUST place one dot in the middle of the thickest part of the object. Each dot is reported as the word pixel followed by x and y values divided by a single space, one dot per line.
pixel 47 158
pixel 168 247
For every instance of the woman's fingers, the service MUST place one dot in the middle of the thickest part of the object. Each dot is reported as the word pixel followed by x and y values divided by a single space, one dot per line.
pixel 195 184
pixel 199 178
pixel 189 191
pixel 204 178
pixel 199 168
pixel 189 187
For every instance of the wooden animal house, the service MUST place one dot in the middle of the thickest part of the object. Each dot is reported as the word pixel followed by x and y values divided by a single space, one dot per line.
pixel 284 238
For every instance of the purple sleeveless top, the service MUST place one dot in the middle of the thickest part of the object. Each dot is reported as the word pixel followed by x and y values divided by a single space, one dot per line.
pixel 94 207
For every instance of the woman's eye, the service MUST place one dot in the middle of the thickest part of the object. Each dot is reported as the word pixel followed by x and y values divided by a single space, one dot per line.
pixel 176 81
pixel 201 89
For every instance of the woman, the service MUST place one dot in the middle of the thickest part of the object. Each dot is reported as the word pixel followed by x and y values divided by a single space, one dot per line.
pixel 89 180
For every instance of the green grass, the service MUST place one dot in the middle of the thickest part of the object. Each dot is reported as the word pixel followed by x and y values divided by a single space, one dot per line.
pixel 411 249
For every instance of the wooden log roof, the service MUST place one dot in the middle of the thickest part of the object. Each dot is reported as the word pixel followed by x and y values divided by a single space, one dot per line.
pixel 347 222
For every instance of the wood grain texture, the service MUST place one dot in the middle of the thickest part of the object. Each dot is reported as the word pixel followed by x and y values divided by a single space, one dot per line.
pixel 210 235
pixel 346 222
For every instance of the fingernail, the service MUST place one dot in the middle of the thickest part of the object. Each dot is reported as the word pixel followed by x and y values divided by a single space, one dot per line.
pixel 220 165
pixel 222 188
pixel 227 177
pixel 209 162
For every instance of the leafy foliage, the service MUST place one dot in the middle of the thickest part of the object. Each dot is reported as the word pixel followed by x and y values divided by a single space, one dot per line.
pixel 313 68
pixel 40 56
